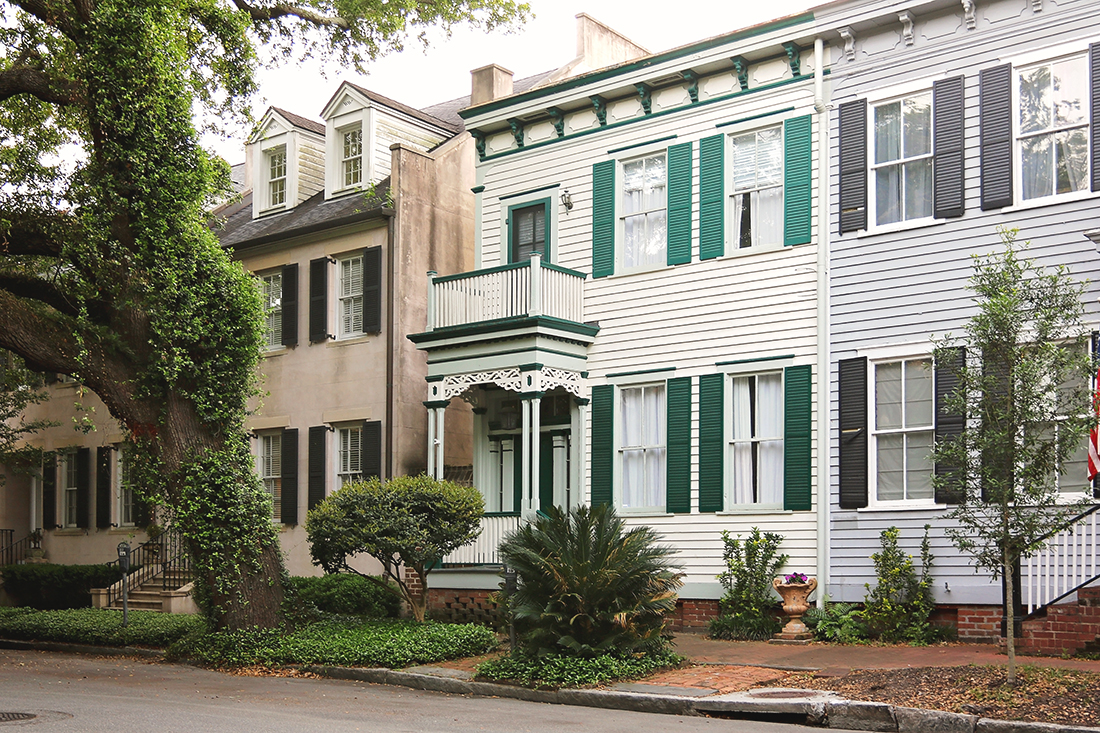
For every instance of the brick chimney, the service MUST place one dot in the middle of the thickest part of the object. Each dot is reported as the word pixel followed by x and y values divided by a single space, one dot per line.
pixel 489 83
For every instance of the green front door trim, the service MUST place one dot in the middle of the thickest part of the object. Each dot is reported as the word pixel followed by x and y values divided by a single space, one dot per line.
pixel 547 253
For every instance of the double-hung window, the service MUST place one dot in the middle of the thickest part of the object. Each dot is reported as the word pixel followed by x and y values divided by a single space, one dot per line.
pixel 756 439
pixel 756 190
pixel 1053 127
pixel 904 430
pixel 276 176
pixel 349 455
pixel 902 159
pixel 67 475
pixel 352 156
pixel 642 447
pixel 127 511
pixel 271 462
pixel 643 212
pixel 528 231
pixel 350 304
pixel 273 309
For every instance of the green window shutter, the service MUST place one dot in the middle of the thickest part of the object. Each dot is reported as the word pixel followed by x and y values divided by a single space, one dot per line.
pixel 712 472
pixel 288 511
pixel 679 204
pixel 712 197
pixel 797 180
pixel 603 443
pixel 678 500
pixel 603 218
pixel 796 438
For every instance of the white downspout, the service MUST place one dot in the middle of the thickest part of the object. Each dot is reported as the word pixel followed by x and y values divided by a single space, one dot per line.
pixel 824 382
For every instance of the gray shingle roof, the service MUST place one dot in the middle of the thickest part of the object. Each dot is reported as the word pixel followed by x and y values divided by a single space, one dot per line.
pixel 302 122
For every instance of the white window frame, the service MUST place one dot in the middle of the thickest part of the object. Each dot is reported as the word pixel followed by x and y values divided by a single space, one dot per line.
pixel 270 179
pixel 67 472
pixel 348 162
pixel 874 432
pixel 344 301
pixel 733 235
pixel 728 441
pixel 346 470
pixel 126 508
pixel 269 466
pixel 899 97
pixel 1021 66
pixel 621 215
pixel 273 309
pixel 620 448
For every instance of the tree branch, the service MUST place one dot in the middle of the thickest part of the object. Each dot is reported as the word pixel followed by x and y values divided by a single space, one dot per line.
pixel 31 235
pixel 25 80
pixel 48 13
pixel 281 10
pixel 33 288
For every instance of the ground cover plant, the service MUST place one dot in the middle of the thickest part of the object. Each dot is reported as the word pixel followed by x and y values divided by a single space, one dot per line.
pixel 346 594
pixel 100 627
pixel 749 608
pixel 837 622
pixel 560 670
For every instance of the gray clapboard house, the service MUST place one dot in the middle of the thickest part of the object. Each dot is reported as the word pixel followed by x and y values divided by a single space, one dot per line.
pixel 951 120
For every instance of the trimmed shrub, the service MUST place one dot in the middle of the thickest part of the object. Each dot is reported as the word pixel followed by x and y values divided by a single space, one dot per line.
pixel 49 587
pixel 749 608
pixel 99 626
pixel 558 670
pixel 346 594
pixel 899 606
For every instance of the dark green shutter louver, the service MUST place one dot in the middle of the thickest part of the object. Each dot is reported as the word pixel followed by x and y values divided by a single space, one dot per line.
pixel 948 148
pixel 315 481
pixel 853 166
pixel 603 443
pixel 852 396
pixel 603 218
pixel 712 471
pixel 83 460
pixel 288 472
pixel 103 487
pixel 679 204
pixel 372 449
pixel 797 180
pixel 1094 112
pixel 949 425
pixel 797 432
pixel 678 426
pixel 995 136
pixel 49 490
pixel 372 290
pixel 712 197
pixel 289 336
pixel 318 299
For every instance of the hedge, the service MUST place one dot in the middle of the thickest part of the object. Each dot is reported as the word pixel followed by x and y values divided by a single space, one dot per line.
pixel 47 586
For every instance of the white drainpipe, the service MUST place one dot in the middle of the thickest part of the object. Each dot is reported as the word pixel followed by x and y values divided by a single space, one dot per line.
pixel 823 351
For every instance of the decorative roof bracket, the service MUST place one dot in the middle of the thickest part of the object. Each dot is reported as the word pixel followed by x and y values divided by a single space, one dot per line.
pixel 849 38
pixel 794 57
pixel 741 68
pixel 970 14
pixel 599 104
pixel 693 84
pixel 645 96
pixel 517 131
pixel 558 118
pixel 906 19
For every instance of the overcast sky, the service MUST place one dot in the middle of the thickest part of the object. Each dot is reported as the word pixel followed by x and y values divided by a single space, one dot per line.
pixel 420 78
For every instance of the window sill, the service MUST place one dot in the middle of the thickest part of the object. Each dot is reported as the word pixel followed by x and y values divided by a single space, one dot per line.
pixel 742 510
pixel 273 210
pixel 643 513
pixel 275 352
pixel 349 340
pixel 1059 198
pixel 126 529
pixel 70 532
pixel 738 252
pixel 901 226
pixel 903 507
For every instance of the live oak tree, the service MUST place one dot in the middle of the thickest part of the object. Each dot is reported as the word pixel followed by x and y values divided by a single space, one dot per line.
pixel 1023 398
pixel 108 271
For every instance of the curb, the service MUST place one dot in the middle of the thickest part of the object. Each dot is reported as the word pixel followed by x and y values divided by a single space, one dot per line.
pixel 824 711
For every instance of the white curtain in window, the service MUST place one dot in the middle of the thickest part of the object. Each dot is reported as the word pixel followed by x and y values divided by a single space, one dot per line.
pixel 655 446
pixel 633 465
pixel 769 402
pixel 742 448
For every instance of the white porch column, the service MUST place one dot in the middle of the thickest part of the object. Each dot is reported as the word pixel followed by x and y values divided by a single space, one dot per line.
pixel 534 308
pixel 534 488
pixel 562 478
pixel 580 453
pixel 439 461
pixel 431 441
pixel 525 458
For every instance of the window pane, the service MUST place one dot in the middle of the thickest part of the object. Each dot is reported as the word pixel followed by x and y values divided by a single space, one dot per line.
pixel 654 478
pixel 891 456
pixel 742 220
pixel 633 234
pixel 888 396
pixel 632 477
pixel 1036 162
pixel 770 157
pixel 633 179
pixel 918 469
pixel 742 408
pixel 918 125
pixel 744 162
pixel 918 188
pixel 888 194
pixel 769 216
pixel 655 182
pixel 1071 156
pixel 1070 92
pixel 769 402
pixel 1035 99
pixel 887 132
pixel 1074 475
pixel 770 472
pixel 654 420
pixel 657 239
pixel 743 492
pixel 631 411
pixel 918 393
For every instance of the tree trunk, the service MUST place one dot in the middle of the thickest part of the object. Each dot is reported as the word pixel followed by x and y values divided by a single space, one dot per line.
pixel 1010 619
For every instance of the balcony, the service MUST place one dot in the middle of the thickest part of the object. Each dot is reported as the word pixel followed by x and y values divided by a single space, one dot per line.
pixel 484 550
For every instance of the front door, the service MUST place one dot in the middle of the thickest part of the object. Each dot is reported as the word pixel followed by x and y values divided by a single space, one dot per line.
pixel 554 464
pixel 527 232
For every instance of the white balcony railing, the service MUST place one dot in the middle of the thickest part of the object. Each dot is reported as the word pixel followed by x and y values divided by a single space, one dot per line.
pixel 1069 559
pixel 529 288
pixel 484 550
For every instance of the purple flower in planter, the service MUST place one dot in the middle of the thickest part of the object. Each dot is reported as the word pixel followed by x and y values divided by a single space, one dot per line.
pixel 795 578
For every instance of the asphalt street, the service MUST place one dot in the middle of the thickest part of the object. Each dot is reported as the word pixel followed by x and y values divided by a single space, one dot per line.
pixel 82 693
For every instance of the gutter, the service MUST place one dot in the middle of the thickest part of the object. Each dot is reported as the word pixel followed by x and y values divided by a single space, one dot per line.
pixel 824 380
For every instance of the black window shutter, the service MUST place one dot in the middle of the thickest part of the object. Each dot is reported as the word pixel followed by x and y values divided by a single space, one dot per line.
pixel 371 449
pixel 49 491
pixel 949 425
pixel 315 482
pixel 1094 108
pixel 318 300
pixel 852 382
pixel 289 336
pixel 603 443
pixel 853 166
pixel 372 290
pixel 288 472
pixel 998 456
pixel 83 487
pixel 948 154
pixel 103 487
pixel 995 101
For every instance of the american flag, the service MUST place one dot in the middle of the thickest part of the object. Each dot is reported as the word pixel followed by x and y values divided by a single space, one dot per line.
pixel 1094 435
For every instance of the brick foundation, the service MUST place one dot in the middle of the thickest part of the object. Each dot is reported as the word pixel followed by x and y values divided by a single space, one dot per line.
pixel 693 615
pixel 464 606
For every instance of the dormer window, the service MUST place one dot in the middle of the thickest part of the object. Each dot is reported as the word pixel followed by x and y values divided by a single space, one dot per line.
pixel 353 156
pixel 276 180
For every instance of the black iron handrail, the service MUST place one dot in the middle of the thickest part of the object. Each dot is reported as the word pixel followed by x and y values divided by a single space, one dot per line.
pixel 161 556
pixel 1069 523
pixel 14 553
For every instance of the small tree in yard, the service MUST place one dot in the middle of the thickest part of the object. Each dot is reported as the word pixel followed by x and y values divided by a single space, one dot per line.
pixel 1023 385
pixel 410 521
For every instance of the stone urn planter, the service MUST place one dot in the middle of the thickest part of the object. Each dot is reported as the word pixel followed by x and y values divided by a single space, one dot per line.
pixel 795 603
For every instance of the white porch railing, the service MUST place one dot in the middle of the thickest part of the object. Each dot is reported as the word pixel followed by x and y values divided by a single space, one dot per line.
pixel 529 288
pixel 1070 559
pixel 484 550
